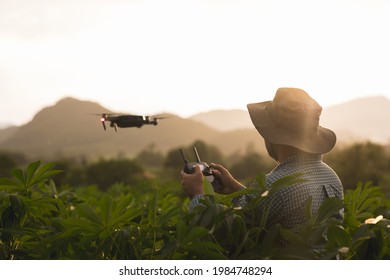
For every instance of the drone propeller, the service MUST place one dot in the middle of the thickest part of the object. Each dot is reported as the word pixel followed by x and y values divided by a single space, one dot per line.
pixel 161 117
pixel 102 114
pixel 103 120
pixel 112 124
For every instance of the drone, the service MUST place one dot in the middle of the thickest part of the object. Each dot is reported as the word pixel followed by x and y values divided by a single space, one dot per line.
pixel 123 120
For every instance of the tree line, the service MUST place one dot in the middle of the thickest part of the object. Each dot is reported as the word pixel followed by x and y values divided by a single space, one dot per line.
pixel 358 162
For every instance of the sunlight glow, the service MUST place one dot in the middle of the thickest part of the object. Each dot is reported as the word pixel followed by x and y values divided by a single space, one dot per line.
pixel 131 55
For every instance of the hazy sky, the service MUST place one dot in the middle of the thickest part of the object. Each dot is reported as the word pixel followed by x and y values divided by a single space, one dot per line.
pixel 188 56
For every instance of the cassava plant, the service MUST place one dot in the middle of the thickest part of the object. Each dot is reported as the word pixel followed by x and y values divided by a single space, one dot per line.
pixel 37 221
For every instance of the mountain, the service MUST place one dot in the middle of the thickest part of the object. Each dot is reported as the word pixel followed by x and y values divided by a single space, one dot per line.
pixel 225 120
pixel 357 120
pixel 7 132
pixel 360 119
pixel 71 128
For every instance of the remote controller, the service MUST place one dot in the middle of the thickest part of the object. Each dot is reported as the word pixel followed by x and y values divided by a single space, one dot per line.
pixel 189 168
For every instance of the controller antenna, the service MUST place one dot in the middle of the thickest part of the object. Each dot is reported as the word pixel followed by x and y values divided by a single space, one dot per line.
pixel 197 155
pixel 183 156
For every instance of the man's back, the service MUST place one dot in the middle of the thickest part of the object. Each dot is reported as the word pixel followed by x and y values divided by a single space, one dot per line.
pixel 320 183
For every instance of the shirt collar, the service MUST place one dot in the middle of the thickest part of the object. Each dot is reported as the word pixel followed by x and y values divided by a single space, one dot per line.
pixel 302 158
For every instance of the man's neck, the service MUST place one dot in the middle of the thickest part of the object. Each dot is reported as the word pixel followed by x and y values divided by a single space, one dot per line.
pixel 285 152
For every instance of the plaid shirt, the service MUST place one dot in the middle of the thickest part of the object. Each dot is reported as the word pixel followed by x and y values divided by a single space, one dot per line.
pixel 288 204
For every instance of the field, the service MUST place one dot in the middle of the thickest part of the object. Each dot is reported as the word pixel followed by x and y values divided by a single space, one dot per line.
pixel 150 220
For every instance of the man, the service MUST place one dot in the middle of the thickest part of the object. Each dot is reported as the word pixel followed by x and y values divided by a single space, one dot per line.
pixel 290 127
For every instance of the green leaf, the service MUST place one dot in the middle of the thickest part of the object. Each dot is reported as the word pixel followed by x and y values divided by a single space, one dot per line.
pixel 74 224
pixel 127 216
pixel 207 250
pixel 207 187
pixel 362 233
pixel 181 229
pixel 44 169
pixel 193 234
pixel 152 210
pixel 43 203
pixel 237 229
pixel 19 176
pixel 31 169
pixel 44 173
pixel 19 208
pixel 86 211
pixel 261 181
pixel 106 204
pixel 330 207
pixel 338 237
pixel 122 204
pixel 10 185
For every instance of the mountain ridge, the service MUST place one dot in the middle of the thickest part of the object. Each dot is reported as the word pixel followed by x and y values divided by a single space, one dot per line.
pixel 360 119
pixel 71 128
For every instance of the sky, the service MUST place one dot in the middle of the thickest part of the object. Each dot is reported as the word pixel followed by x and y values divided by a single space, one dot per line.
pixel 188 56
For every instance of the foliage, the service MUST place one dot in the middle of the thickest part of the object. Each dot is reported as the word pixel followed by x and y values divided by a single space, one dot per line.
pixel 9 161
pixel 361 162
pixel 107 172
pixel 151 157
pixel 207 153
pixel 358 162
pixel 248 166
pixel 139 221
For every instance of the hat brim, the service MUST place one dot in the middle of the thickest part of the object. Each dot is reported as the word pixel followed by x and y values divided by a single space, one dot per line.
pixel 320 142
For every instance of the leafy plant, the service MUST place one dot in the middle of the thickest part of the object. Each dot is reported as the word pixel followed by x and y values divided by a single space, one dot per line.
pixel 145 221
pixel 28 203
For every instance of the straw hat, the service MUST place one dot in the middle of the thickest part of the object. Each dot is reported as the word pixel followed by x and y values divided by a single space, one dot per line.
pixel 292 118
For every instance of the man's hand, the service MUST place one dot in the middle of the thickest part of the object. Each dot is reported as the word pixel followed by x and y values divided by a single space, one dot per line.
pixel 229 184
pixel 192 183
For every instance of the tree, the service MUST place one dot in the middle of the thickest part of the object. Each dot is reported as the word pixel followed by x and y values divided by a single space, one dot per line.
pixel 249 166
pixel 151 157
pixel 9 161
pixel 108 172
pixel 360 162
